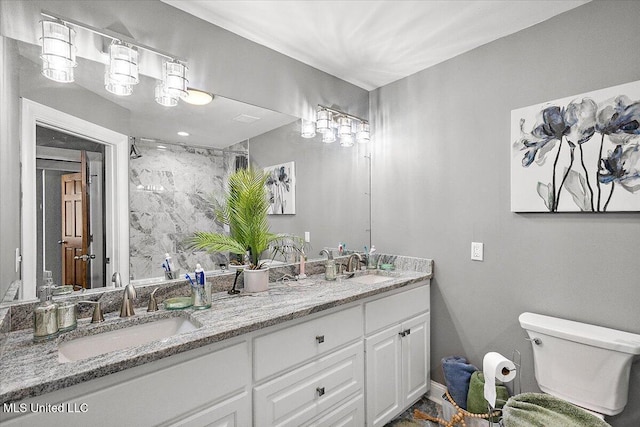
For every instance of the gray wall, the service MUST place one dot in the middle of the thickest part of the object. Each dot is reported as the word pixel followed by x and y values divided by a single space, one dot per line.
pixel 441 163
pixel 332 186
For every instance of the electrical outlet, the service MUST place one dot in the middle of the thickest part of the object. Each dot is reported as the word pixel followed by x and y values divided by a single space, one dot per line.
pixel 477 251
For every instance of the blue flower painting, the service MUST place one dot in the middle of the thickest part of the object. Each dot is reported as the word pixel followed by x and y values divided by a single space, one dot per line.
pixel 578 154
pixel 281 188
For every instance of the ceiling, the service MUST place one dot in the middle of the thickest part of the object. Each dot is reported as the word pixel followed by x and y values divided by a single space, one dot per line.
pixel 373 43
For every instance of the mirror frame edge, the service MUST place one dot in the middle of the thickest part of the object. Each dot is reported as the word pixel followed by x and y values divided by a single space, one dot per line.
pixel 116 189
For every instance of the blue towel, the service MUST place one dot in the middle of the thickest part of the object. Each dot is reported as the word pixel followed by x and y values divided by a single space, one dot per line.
pixel 457 375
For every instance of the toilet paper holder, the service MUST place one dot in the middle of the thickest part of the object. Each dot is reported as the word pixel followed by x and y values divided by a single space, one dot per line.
pixel 516 359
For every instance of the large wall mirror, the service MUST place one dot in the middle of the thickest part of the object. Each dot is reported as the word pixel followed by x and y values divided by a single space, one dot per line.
pixel 170 179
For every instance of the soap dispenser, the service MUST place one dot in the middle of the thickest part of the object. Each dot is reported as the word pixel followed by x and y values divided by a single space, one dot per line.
pixel 45 317
pixel 329 266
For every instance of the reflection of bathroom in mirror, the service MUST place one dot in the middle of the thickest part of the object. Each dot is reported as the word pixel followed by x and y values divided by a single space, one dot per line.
pixel 70 217
pixel 170 188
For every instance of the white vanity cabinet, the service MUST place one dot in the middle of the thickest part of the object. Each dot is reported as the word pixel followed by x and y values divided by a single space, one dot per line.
pixel 397 353
pixel 209 386
pixel 311 369
pixel 357 364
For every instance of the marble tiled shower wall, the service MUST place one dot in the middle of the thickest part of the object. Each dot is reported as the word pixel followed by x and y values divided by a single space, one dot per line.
pixel 170 194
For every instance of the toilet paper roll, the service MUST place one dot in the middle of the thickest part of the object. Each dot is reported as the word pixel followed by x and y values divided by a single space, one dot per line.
pixel 496 366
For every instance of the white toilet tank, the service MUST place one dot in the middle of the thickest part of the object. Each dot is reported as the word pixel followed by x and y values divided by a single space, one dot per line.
pixel 583 364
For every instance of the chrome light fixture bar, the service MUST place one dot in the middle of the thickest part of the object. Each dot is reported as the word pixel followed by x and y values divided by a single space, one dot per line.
pixel 329 122
pixel 58 55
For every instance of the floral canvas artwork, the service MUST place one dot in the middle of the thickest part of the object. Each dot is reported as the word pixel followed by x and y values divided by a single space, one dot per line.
pixel 578 154
pixel 281 186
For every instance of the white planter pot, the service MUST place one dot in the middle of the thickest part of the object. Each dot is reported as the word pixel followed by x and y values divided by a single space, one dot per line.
pixel 256 280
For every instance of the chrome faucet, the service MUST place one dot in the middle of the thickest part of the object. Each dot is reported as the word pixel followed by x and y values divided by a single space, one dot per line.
pixel 352 268
pixel 327 252
pixel 128 296
pixel 116 279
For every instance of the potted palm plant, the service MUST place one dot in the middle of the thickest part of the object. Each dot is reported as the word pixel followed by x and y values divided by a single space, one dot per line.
pixel 244 209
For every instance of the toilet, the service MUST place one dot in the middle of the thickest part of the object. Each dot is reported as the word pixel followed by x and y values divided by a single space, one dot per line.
pixel 584 364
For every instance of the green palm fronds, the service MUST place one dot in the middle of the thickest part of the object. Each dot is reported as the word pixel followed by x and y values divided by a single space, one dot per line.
pixel 245 210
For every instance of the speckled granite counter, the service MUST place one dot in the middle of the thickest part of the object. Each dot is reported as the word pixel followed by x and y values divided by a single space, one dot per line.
pixel 28 369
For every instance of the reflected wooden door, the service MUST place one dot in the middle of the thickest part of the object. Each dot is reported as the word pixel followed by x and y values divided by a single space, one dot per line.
pixel 75 227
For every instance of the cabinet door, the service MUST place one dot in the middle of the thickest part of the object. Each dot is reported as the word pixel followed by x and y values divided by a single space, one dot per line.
pixel 232 412
pixel 415 358
pixel 383 359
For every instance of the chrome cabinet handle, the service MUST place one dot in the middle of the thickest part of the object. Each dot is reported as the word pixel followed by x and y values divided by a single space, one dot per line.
pixel 320 339
pixel 404 333
pixel 84 257
pixel 320 391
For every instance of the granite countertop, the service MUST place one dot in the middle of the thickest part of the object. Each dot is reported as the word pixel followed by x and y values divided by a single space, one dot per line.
pixel 28 369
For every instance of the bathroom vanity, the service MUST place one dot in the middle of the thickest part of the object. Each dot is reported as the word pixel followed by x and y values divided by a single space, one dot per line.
pixel 313 352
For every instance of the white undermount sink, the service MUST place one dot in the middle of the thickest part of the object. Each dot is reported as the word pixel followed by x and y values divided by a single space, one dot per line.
pixel 119 339
pixel 371 278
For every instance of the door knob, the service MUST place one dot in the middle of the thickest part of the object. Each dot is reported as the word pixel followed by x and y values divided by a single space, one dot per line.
pixel 62 242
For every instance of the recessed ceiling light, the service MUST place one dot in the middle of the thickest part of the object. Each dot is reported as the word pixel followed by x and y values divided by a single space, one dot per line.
pixel 183 133
pixel 197 97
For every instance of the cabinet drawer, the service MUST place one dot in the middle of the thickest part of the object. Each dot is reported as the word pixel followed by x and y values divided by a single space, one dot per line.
pixel 395 308
pixel 303 394
pixel 292 346
pixel 351 414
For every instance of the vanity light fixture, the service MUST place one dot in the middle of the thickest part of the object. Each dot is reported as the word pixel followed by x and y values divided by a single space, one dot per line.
pixel 349 128
pixel 324 120
pixel 197 97
pixel 58 73
pixel 121 73
pixel 114 87
pixel 329 137
pixel 123 63
pixel 58 50
pixel 308 129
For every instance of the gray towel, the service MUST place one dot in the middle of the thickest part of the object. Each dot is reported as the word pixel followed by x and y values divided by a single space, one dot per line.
pixel 543 410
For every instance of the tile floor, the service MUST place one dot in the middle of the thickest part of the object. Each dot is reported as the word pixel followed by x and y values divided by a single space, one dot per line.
pixel 425 405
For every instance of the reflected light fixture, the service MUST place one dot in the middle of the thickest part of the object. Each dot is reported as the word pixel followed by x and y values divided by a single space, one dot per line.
pixel 183 133
pixel 197 97
pixel 173 85
pixel 114 87
pixel 307 129
pixel 329 136
pixel 58 52
pixel 329 121
pixel 163 97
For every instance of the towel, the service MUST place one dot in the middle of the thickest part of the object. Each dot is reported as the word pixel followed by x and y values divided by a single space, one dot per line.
pixel 476 403
pixel 542 410
pixel 457 374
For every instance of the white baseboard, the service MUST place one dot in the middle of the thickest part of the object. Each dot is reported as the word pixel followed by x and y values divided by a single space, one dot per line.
pixel 436 391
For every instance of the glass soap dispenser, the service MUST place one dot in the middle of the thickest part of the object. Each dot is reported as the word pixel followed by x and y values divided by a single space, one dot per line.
pixel 45 316
pixel 329 266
